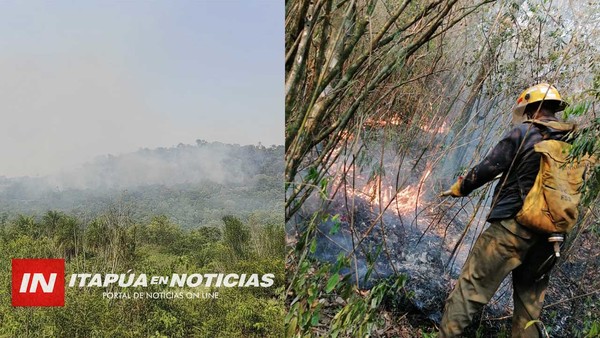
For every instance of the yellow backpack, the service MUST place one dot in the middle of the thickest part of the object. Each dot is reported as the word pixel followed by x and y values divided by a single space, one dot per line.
pixel 551 204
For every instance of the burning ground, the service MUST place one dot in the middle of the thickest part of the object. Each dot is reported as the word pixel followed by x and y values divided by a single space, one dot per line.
pixel 395 224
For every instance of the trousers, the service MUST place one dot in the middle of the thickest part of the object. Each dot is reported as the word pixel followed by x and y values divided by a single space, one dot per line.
pixel 504 247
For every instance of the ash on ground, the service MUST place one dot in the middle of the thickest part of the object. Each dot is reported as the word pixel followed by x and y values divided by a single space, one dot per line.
pixel 397 244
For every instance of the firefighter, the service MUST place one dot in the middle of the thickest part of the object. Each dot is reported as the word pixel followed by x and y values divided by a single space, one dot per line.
pixel 506 246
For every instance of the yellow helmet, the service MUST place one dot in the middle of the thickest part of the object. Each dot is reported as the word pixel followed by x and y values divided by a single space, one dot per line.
pixel 539 92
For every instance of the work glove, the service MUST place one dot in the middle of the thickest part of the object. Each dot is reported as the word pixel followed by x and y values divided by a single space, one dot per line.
pixel 454 190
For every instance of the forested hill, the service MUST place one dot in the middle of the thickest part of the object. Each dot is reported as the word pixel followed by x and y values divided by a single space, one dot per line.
pixel 194 185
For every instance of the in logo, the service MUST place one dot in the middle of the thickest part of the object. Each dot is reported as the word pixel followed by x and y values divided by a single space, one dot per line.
pixel 38 282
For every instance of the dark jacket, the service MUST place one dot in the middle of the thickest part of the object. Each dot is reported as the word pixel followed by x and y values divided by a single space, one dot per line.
pixel 514 158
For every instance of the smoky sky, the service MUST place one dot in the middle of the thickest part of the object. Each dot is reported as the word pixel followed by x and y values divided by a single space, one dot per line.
pixel 83 79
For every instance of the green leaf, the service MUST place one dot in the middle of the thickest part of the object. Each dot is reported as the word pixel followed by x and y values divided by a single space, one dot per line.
pixel 291 328
pixel 313 245
pixel 374 303
pixel 333 280
pixel 314 321
pixel 313 174
pixel 531 322
pixel 336 225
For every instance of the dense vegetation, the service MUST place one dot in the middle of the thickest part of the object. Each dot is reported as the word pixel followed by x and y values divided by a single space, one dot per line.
pixel 203 208
pixel 116 242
